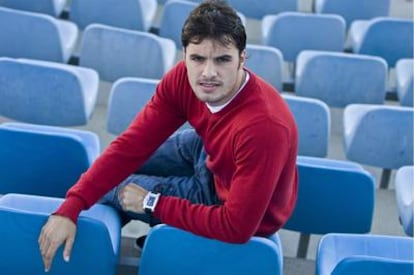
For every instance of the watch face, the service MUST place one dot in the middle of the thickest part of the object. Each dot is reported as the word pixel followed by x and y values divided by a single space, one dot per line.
pixel 151 201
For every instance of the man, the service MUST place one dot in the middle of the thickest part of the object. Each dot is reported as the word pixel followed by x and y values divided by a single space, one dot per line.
pixel 232 178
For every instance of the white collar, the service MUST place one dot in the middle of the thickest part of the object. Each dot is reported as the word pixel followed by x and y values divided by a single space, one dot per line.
pixel 215 109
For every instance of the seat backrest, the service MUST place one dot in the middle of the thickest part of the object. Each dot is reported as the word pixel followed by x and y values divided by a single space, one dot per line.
pixel 98 237
pixel 116 53
pixel 40 163
pixel 128 96
pixel 44 92
pixel 251 9
pixel 167 248
pixel 128 14
pixel 89 139
pixel 292 32
pixel 389 38
pixel 404 75
pixel 404 195
pixel 379 135
pixel 372 265
pixel 266 62
pixel 352 10
pixel 313 120
pixel 365 253
pixel 174 14
pixel 30 35
pixel 326 188
pixel 51 7
pixel 339 79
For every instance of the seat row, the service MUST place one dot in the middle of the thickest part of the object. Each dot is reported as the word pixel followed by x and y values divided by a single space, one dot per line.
pixel 36 175
pixel 366 36
pixel 108 50
pixel 350 10
pixel 64 95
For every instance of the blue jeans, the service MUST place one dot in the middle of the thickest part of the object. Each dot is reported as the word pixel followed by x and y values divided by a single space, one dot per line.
pixel 177 168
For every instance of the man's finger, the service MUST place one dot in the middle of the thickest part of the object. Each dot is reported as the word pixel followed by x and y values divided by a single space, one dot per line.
pixel 49 255
pixel 68 248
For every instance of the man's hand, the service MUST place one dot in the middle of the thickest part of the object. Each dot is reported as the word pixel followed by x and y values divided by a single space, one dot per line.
pixel 131 197
pixel 55 232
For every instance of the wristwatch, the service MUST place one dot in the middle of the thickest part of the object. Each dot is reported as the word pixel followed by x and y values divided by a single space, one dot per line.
pixel 150 201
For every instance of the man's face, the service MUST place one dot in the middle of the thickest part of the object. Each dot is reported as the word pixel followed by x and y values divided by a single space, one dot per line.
pixel 215 71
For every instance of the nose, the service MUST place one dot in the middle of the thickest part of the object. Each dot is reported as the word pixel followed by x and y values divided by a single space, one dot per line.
pixel 209 69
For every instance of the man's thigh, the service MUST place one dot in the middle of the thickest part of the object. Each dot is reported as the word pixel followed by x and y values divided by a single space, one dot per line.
pixel 177 156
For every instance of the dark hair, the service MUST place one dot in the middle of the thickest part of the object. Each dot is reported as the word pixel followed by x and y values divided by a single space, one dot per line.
pixel 214 19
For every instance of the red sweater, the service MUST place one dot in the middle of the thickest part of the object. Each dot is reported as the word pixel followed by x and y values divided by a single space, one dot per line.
pixel 251 146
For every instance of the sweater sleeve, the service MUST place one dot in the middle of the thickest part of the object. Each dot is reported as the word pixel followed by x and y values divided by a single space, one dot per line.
pixel 260 156
pixel 153 125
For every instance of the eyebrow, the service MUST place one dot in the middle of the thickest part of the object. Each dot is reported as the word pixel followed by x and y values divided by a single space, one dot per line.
pixel 227 56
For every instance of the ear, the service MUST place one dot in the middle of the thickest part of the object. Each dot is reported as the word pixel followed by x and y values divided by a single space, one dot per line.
pixel 243 58
pixel 183 50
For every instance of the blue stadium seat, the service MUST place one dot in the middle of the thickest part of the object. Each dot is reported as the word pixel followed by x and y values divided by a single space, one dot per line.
pixel 292 32
pixel 344 254
pixel 96 249
pixel 128 96
pixel 352 10
pixel 267 62
pixel 339 79
pixel 404 193
pixel 380 136
pixel 44 92
pixel 115 53
pixel 251 9
pixel 51 7
pixel 387 37
pixel 404 75
pixel 37 36
pixel 129 14
pixel 44 160
pixel 313 120
pixel 173 251
pixel 173 16
pixel 333 196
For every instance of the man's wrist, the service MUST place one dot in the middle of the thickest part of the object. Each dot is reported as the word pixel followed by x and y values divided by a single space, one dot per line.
pixel 71 208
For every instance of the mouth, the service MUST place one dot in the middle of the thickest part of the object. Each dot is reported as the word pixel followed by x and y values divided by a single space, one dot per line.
pixel 209 86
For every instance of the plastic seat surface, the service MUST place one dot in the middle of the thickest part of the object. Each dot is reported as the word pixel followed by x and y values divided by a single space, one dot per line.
pixel 43 160
pixel 170 250
pixel 326 188
pixel 97 240
pixel 352 10
pixel 292 32
pixel 368 254
pixel 128 14
pixel 172 19
pixel 386 37
pixel 49 93
pixel 128 96
pixel 251 9
pixel 404 75
pixel 379 135
pixel 51 7
pixel 340 79
pixel 404 193
pixel 36 36
pixel 313 120
pixel 266 62
pixel 115 53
